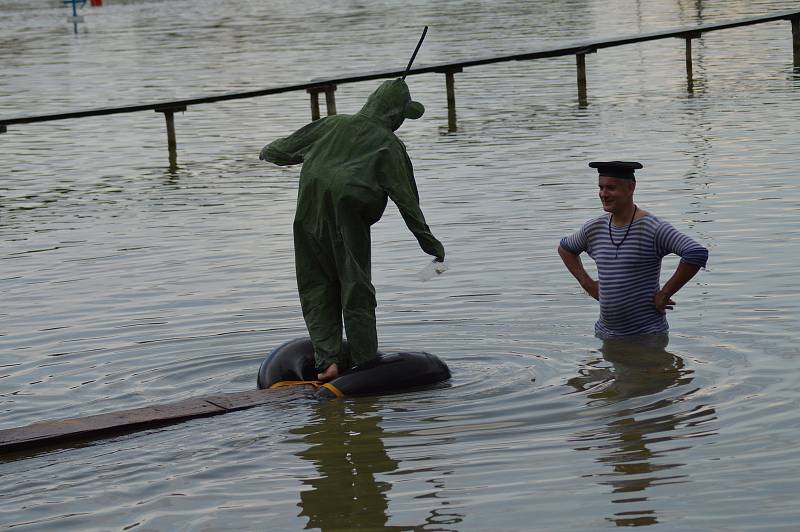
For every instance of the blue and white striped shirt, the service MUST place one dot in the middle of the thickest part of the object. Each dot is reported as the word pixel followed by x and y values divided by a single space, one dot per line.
pixel 630 279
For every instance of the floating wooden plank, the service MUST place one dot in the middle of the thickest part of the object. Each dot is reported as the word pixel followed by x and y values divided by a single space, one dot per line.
pixel 241 400
pixel 48 433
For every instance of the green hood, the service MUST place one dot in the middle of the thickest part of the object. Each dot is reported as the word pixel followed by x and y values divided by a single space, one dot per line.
pixel 391 103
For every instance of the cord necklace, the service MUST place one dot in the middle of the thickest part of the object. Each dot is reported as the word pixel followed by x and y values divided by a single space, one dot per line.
pixel 626 231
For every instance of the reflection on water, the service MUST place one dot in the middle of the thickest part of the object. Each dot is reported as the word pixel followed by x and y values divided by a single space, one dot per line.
pixel 346 447
pixel 637 438
pixel 639 366
pixel 347 450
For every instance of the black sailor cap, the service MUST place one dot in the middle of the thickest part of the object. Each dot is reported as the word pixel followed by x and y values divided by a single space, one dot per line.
pixel 622 169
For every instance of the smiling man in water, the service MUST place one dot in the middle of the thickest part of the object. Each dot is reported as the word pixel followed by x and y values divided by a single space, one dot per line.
pixel 627 244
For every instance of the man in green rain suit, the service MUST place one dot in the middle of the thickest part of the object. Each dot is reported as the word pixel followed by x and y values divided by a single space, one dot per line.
pixel 351 164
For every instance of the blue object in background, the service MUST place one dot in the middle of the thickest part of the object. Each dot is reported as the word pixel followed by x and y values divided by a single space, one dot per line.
pixel 75 18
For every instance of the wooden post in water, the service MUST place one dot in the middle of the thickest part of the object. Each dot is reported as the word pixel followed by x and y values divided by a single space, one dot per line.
pixel 796 41
pixel 172 145
pixel 330 99
pixel 580 61
pixel 689 73
pixel 450 84
pixel 689 79
pixel 314 103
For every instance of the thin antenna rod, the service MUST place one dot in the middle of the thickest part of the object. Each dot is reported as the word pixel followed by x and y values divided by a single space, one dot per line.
pixel 414 55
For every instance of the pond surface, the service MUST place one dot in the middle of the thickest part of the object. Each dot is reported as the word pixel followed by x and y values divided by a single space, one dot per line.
pixel 125 284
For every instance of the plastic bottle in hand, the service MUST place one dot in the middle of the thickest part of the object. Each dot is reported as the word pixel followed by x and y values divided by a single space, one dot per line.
pixel 433 269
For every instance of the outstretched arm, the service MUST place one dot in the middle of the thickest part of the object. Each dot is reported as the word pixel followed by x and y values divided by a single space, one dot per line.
pixel 399 184
pixel 663 298
pixel 573 263
pixel 292 149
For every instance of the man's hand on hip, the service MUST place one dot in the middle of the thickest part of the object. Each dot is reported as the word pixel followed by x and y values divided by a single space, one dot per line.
pixel 663 302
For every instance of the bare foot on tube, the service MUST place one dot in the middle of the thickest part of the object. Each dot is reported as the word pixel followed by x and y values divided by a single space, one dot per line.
pixel 329 374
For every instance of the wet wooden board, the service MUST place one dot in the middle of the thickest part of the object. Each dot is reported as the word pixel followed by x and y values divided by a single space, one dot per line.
pixel 48 433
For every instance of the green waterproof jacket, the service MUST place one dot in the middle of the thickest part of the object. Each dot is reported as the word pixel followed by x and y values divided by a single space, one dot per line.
pixel 353 163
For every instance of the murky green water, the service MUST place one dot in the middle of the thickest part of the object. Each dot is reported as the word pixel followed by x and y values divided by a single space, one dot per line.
pixel 124 285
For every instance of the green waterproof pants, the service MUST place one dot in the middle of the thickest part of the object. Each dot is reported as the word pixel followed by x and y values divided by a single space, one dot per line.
pixel 334 280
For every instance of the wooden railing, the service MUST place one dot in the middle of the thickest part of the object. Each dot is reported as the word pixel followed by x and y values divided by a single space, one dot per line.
pixel 328 85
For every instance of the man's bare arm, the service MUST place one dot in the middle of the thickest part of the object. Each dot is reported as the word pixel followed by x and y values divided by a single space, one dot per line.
pixel 575 267
pixel 683 273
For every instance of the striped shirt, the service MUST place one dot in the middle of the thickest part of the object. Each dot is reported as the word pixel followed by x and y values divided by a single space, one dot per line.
pixel 629 275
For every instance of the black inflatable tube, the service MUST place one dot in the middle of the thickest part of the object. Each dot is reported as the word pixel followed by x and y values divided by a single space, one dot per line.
pixel 392 372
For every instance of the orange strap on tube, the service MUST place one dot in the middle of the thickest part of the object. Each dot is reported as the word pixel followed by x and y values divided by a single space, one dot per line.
pixel 333 389
pixel 316 384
